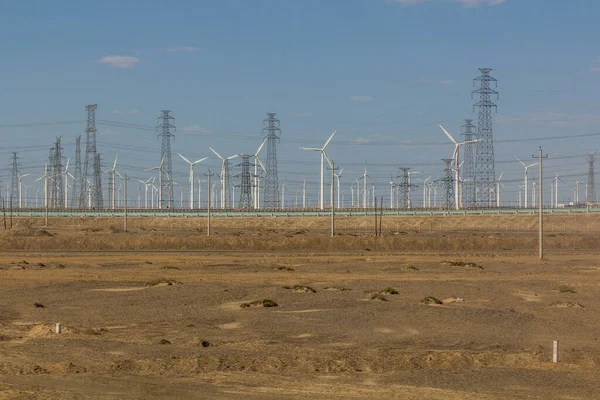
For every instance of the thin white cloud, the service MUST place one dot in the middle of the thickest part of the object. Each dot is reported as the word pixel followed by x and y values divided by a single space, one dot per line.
pixel 362 99
pixel 550 118
pixel 119 61
pixel 300 114
pixel 196 130
pixel 596 66
pixel 465 3
pixel 421 80
pixel 183 49
pixel 446 82
pixel 133 111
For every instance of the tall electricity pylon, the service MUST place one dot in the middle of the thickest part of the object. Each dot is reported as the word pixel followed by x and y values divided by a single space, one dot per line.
pixel 58 192
pixel 448 184
pixel 14 183
pixel 468 169
pixel 89 188
pixel 590 197
pixel 77 180
pixel 485 174
pixel 166 130
pixel 245 182
pixel 272 132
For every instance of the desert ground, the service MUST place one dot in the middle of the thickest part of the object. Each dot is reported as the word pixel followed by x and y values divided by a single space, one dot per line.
pixel 164 311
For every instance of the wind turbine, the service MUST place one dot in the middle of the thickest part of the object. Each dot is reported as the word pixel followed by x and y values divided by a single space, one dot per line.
pixel 112 182
pixel 224 177
pixel 146 185
pixel 323 158
pixel 191 179
pixel 519 194
pixel 456 164
pixel 498 184
pixel 556 179
pixel 21 176
pixel 337 178
pixel 526 180
pixel 365 190
pixel 160 169
pixel 67 175
pixel 256 190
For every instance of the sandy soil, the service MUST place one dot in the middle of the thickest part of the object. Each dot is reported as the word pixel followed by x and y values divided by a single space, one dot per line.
pixel 156 325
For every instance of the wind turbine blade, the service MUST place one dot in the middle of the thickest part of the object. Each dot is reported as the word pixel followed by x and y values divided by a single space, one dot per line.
pixel 153 168
pixel 67 166
pixel 532 165
pixel 448 134
pixel 327 158
pixel 199 161
pixel 329 140
pixel 217 154
pixel 522 163
pixel 340 173
pixel 232 157
pixel 185 159
pixel 455 152
pixel 261 164
pixel 310 148
pixel 115 164
pixel 261 146
pixel 120 176
pixel 68 173
pixel 500 177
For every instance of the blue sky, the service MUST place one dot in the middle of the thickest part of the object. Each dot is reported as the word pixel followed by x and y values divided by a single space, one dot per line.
pixel 382 72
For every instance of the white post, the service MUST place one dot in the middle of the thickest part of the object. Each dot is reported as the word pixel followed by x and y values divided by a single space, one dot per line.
pixel 555 351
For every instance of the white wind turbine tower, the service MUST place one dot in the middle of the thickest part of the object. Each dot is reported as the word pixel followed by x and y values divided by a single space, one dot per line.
pixel 526 202
pixel 337 178
pixel 160 169
pixel 191 178
pixel 365 190
pixel 498 184
pixel 519 194
pixel 410 173
pixel 146 185
pixel 45 177
pixel 304 195
pixel 21 176
pixel 323 158
pixel 112 182
pixel 256 191
pixel 457 164
pixel 555 180
pixel 67 175
pixel 224 177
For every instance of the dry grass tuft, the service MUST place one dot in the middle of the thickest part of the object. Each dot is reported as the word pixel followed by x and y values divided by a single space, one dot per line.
pixel 462 264
pixel 337 288
pixel 164 282
pixel 566 289
pixel 301 289
pixel 389 290
pixel 377 297
pixel 39 305
pixel 284 268
pixel 259 303
pixel 431 300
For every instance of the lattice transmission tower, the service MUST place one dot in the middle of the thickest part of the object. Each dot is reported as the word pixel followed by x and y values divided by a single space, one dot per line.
pixel 272 132
pixel 77 181
pixel 245 181
pixel 447 184
pixel 469 193
pixel 14 183
pixel 403 187
pixel 90 194
pixel 485 174
pixel 57 191
pixel 98 181
pixel 590 197
pixel 166 129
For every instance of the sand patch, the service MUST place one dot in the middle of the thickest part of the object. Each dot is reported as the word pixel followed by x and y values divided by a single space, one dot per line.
pixel 384 330
pixel 230 325
pixel 121 289
pixel 304 311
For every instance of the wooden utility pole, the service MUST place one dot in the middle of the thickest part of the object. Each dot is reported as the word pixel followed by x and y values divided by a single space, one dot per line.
pixel 541 205
pixel 209 200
